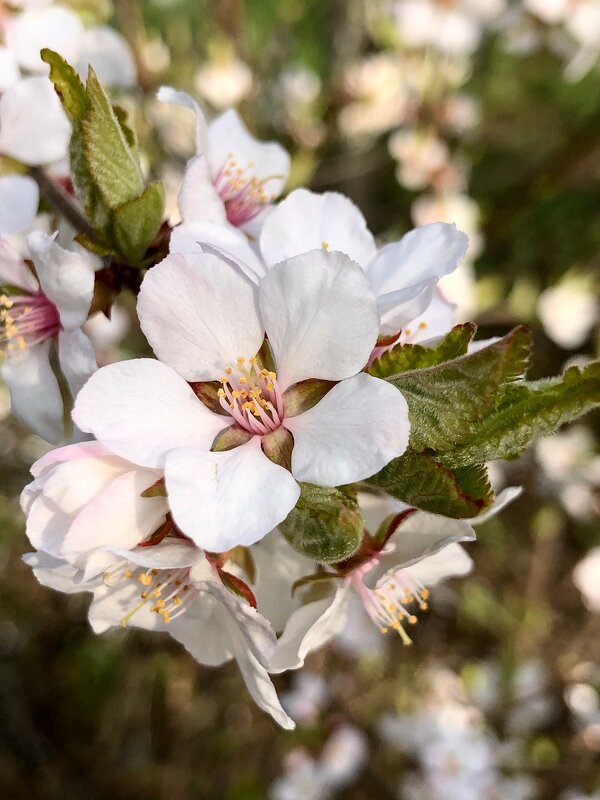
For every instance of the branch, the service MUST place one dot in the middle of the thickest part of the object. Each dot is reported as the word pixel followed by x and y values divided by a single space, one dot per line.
pixel 62 201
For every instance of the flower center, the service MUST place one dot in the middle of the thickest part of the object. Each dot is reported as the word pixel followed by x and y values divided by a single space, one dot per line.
pixel 166 592
pixel 243 194
pixel 252 396
pixel 389 605
pixel 26 320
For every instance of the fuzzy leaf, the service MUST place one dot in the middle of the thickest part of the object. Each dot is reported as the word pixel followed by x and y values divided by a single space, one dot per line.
pixel 447 401
pixel 326 525
pixel 418 480
pixel 136 222
pixel 529 410
pixel 68 86
pixel 113 164
pixel 404 357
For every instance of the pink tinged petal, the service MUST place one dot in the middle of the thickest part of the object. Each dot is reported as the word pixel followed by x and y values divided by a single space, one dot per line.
pixel 19 199
pixel 55 573
pixel 224 499
pixel 199 314
pixel 199 201
pixel 71 452
pixel 309 221
pixel 57 28
pixel 424 255
pixel 118 516
pixel 35 396
pixel 320 316
pixel 108 53
pixel 268 161
pixel 33 126
pixel 66 278
pixel 71 485
pixel 419 536
pixel 77 358
pixel 308 629
pixel 354 431
pixel 141 409
pixel 13 270
pixel 449 562
pixel 223 241
pixel 166 94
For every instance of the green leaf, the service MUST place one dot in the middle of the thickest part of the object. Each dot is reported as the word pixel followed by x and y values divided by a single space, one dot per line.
pixel 420 481
pixel 447 401
pixel 404 357
pixel 326 525
pixel 113 164
pixel 136 222
pixel 122 116
pixel 528 410
pixel 67 85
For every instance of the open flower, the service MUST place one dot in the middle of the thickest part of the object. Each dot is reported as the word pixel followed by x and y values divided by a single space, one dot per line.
pixel 207 323
pixel 392 579
pixel 233 177
pixel 33 315
pixel 95 532
pixel 403 274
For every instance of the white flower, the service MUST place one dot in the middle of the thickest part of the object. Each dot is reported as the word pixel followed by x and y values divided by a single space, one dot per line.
pixel 307 697
pixel 19 199
pixel 206 322
pixel 234 177
pixel 586 577
pixel 96 533
pixel 224 82
pixel 391 582
pixel 402 274
pixel 568 312
pixel 32 316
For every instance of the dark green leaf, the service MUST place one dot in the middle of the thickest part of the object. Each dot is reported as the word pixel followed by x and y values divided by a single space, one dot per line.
pixel 137 221
pixel 326 524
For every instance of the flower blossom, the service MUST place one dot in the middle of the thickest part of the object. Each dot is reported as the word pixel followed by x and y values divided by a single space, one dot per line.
pixel 206 323
pixel 33 315
pixel 96 532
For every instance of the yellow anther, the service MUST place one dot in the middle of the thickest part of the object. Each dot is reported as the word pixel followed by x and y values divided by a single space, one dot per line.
pixel 425 593
pixel 422 325
pixel 145 579
pixel 243 380
pixel 269 387
pixel 241 361
pixel 272 375
pixel 236 394
pixel 166 616
pixel 253 360
pixel 412 619
pixel 143 595
pixel 156 593
pixel 155 572
pixel 228 370
pixel 325 245
pixel 407 331
pixel 224 379
pixel 383 630
pixel 221 393
pixel 128 573
pixel 177 600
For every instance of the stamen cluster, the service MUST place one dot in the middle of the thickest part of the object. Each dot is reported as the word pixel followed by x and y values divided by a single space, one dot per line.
pixel 252 397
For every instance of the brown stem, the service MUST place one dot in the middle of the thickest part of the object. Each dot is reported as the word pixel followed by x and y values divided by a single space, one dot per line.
pixel 62 201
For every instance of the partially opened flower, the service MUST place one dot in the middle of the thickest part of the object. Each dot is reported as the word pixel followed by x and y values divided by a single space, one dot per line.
pixel 96 532
pixel 403 274
pixel 234 177
pixel 207 323
pixel 34 314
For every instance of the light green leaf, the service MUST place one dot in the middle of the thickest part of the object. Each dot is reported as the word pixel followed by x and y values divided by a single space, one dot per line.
pixel 448 400
pixel 326 525
pixel 527 411
pixel 418 480
pixel 67 85
pixel 113 164
pixel 404 357
pixel 136 222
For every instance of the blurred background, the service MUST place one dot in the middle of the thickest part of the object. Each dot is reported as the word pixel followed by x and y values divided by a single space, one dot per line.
pixel 485 113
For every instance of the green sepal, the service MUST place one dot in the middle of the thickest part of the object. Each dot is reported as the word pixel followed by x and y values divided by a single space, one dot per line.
pixel 157 489
pixel 418 480
pixel 405 357
pixel 326 525
pixel 315 578
pixel 136 222
pixel 305 395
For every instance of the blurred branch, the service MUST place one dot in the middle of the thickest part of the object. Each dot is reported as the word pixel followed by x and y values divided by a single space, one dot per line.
pixel 62 201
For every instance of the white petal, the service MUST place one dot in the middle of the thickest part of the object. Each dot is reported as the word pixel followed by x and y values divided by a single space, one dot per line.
pixel 419 536
pixel 434 322
pixel 166 94
pixel 168 554
pixel 9 69
pixel 224 241
pixel 424 254
pixel 46 526
pixel 354 431
pixel 66 278
pixel 199 314
pixel 19 198
pixel 13 270
pixel 118 516
pixel 503 499
pixel 57 28
pixel 224 499
pixel 397 309
pixel 33 126
pixel 450 561
pixel 77 358
pixel 53 572
pixel 108 53
pixel 71 452
pixel 141 409
pixel 72 484
pixel 199 201
pixel 309 628
pixel 112 605
pixel 202 632
pixel 309 221
pixel 267 161
pixel 320 316
pixel 35 396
